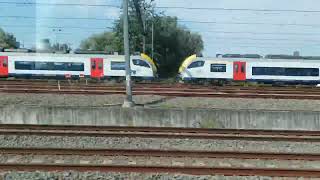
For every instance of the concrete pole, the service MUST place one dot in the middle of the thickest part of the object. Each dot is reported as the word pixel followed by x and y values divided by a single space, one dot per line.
pixel 128 102
pixel 144 36
pixel 152 48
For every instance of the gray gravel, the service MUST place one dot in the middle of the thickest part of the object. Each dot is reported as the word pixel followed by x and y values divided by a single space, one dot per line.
pixel 157 101
pixel 165 144
pixel 156 161
pixel 71 175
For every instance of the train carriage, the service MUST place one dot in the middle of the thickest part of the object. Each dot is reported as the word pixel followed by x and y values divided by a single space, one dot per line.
pixel 297 71
pixel 73 65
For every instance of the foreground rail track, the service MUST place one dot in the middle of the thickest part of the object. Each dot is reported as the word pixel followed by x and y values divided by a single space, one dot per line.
pixel 192 170
pixel 163 169
pixel 176 133
pixel 161 153
pixel 176 90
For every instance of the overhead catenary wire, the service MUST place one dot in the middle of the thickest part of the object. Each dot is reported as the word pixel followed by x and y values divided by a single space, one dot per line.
pixel 59 4
pixel 58 18
pixel 256 33
pixel 185 21
pixel 250 23
pixel 238 9
pixel 53 27
pixel 267 39
pixel 163 7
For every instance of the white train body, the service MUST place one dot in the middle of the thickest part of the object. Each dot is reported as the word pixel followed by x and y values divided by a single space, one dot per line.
pixel 74 65
pixel 248 69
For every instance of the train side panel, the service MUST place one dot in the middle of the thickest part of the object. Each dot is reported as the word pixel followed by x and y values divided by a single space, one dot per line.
pixel 46 66
pixel 115 67
pixel 285 71
pixel 209 70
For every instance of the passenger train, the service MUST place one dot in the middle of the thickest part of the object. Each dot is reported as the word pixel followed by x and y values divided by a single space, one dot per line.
pixel 50 65
pixel 251 68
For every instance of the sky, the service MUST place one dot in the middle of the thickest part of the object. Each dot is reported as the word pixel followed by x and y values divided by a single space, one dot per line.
pixel 226 26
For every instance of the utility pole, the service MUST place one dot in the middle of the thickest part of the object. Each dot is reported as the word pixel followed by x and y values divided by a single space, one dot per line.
pixel 128 102
pixel 152 46
pixel 144 36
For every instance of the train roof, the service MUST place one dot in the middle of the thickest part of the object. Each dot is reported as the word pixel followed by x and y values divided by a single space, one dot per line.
pixel 257 60
pixel 70 55
pixel 55 54
pixel 268 56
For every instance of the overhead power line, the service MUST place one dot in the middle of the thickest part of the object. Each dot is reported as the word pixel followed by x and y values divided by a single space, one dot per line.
pixel 183 21
pixel 265 39
pixel 59 4
pixel 238 9
pixel 250 23
pixel 60 18
pixel 163 7
pixel 53 27
pixel 256 33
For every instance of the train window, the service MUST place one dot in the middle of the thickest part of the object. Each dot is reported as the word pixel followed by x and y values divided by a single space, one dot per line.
pixel 100 65
pixel 24 65
pixel 60 66
pixel 282 71
pixel 93 65
pixel 49 66
pixel 76 67
pixel 118 65
pixel 139 62
pixel 236 68
pixel 5 63
pixel 196 64
pixel 41 66
pixel 218 67
pixel 243 68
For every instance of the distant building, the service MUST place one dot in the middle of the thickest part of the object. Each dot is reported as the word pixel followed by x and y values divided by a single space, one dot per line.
pixel 296 53
pixel 18 44
pixel 44 45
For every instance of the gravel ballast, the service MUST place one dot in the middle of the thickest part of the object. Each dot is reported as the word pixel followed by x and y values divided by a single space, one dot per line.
pixel 156 161
pixel 162 144
pixel 158 101
pixel 72 175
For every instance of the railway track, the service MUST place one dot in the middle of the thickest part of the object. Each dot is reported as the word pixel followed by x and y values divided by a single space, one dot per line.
pixel 176 133
pixel 163 90
pixel 164 169
pixel 175 90
pixel 160 153
pixel 192 170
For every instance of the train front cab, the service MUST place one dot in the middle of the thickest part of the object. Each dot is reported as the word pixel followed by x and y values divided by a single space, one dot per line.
pixel 4 66
pixel 239 71
pixel 97 68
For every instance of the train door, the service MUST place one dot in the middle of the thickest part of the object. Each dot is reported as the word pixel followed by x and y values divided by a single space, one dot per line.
pixel 3 66
pixel 239 71
pixel 97 68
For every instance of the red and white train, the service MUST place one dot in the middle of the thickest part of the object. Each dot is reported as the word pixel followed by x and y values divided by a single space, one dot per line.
pixel 271 69
pixel 49 65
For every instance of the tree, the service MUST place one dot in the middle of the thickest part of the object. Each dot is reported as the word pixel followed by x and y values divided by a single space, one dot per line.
pixel 61 47
pixel 107 41
pixel 7 40
pixel 172 42
pixel 44 45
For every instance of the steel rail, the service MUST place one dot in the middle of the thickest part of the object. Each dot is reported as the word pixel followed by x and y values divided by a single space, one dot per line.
pixel 150 133
pixel 161 153
pixel 167 93
pixel 158 129
pixel 165 88
pixel 163 169
pixel 164 91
